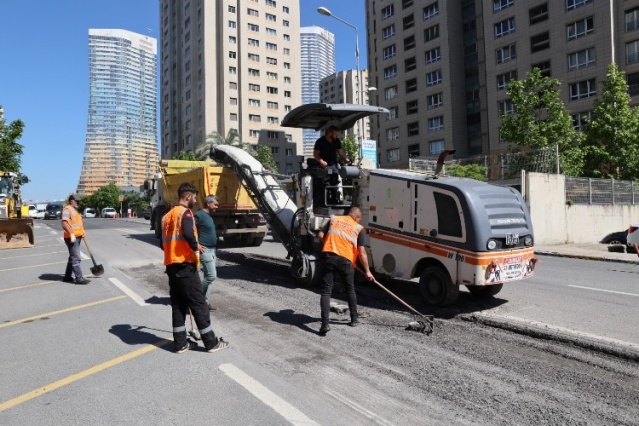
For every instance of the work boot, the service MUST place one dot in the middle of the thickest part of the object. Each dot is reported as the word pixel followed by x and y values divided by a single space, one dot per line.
pixel 68 279
pixel 354 322
pixel 220 345
pixel 82 280
pixel 325 328
pixel 190 344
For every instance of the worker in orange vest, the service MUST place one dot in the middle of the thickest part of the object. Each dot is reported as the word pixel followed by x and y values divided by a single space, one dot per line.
pixel 73 234
pixel 343 246
pixel 181 258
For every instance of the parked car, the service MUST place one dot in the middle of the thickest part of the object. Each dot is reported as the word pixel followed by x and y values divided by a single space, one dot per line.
pixel 53 211
pixel 108 212
pixel 615 238
pixel 32 210
pixel 633 235
pixel 88 212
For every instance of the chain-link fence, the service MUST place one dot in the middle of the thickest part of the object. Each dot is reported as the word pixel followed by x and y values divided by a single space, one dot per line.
pixel 601 191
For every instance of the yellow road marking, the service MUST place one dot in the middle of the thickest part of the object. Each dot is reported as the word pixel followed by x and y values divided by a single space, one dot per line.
pixel 31 255
pixel 32 266
pixel 73 308
pixel 75 377
pixel 27 286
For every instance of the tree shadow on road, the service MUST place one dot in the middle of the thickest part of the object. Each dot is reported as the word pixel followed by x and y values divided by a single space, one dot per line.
pixel 289 317
pixel 135 335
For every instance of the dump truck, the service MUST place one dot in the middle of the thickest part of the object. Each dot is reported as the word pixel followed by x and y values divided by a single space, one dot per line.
pixel 446 231
pixel 16 228
pixel 237 220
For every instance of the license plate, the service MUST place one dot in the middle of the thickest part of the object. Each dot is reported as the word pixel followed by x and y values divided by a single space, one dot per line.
pixel 512 239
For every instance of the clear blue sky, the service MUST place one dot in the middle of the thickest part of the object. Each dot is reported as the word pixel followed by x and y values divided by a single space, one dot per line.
pixel 44 73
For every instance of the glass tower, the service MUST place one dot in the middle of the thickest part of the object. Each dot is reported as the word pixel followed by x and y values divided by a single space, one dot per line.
pixel 318 61
pixel 121 140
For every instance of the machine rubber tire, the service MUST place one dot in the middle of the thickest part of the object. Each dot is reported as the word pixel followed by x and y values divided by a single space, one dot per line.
pixel 436 286
pixel 483 291
pixel 257 241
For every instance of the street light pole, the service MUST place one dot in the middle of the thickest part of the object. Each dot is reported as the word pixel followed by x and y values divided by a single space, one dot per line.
pixel 358 79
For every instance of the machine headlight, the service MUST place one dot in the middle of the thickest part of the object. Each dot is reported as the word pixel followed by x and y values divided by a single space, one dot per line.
pixel 528 241
pixel 492 244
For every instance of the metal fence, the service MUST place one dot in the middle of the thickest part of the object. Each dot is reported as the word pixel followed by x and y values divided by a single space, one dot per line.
pixel 601 191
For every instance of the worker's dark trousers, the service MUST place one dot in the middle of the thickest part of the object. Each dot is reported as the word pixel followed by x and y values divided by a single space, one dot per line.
pixel 73 264
pixel 341 269
pixel 185 289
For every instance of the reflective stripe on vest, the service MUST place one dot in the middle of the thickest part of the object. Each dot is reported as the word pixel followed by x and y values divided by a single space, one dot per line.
pixel 176 247
pixel 75 222
pixel 341 238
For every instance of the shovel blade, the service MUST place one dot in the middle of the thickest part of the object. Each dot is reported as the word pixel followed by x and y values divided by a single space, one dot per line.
pixel 97 270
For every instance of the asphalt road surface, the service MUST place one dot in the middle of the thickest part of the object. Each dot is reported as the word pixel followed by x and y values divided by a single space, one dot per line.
pixel 95 354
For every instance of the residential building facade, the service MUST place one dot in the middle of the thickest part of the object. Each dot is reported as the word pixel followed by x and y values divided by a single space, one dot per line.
pixel 121 141
pixel 318 61
pixel 442 68
pixel 230 65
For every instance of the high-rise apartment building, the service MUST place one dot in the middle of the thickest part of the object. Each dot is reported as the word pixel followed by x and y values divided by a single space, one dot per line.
pixel 121 141
pixel 442 68
pixel 230 65
pixel 318 61
pixel 341 88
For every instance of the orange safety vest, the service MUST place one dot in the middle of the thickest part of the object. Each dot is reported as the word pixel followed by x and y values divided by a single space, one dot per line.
pixel 176 248
pixel 341 238
pixel 75 221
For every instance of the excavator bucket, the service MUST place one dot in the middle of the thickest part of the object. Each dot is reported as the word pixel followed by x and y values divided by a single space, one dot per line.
pixel 16 233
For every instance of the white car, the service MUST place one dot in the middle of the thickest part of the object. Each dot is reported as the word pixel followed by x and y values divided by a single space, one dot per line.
pixel 88 212
pixel 108 212
pixel 633 234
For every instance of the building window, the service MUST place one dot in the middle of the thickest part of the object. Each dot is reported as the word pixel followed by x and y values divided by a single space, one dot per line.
pixel 272 120
pixel 271 3
pixel 573 4
pixel 580 28
pixel 387 12
pixel 430 11
pixel 505 107
pixel 413 128
pixel 287 65
pixel 392 134
pixel 254 57
pixel 271 61
pixel 411 107
pixel 632 52
pixel 413 150
pixel 502 4
pixel 233 116
pixel 409 42
pixel 232 70
pixel 254 72
pixel 253 27
pixel 410 64
pixel 271 17
pixel 538 14
pixel 253 12
pixel 581 118
pixel 254 133
pixel 411 85
pixel 233 101
pixel 388 32
pixel 581 59
pixel 254 87
pixel 232 55
pixel 253 42
pixel 271 90
pixel 232 24
pixel 504 79
pixel 406 3
pixel 544 68
pixel 434 101
pixel 254 102
pixel 288 152
pixel 433 55
pixel 271 32
pixel 390 92
pixel 231 9
pixel 435 124
pixel 433 78
pixel 390 72
pixel 435 147
pixel 287 51
pixel 506 53
pixel 232 40
pixel 583 89
pixel 408 22
pixel 539 42
pixel 272 135
pixel 431 33
pixel 287 93
pixel 273 76
pixel 285 23
pixel 504 27
pixel 285 9
pixel 287 37
pixel 232 85
pixel 389 51
pixel 271 46
pixel 632 19
pixel 392 155
pixel 275 150
pixel 392 113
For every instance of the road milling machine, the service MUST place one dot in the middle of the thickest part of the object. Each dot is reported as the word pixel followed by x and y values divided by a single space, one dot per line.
pixel 446 231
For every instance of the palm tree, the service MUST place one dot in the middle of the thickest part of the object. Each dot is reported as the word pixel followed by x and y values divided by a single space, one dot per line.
pixel 205 151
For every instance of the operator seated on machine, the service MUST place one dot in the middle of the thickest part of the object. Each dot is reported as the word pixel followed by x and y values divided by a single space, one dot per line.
pixel 325 153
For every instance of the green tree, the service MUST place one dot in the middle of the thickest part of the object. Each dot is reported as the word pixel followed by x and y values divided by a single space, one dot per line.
pixel 612 137
pixel 541 119
pixel 351 148
pixel 107 196
pixel 263 155
pixel 473 171
pixel 186 155
pixel 10 149
pixel 205 150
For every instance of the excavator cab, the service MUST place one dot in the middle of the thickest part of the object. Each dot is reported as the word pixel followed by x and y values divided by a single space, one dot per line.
pixel 15 231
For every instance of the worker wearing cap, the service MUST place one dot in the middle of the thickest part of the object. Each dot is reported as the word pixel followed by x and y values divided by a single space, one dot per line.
pixel 343 246
pixel 181 258
pixel 73 234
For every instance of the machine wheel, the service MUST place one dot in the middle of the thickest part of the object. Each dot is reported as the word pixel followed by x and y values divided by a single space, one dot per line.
pixel 436 286
pixel 308 281
pixel 482 291
pixel 257 241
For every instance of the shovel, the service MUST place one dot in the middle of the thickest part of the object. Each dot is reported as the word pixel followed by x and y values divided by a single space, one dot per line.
pixel 97 270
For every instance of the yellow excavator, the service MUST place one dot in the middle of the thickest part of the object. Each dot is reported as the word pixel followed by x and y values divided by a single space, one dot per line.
pixel 16 229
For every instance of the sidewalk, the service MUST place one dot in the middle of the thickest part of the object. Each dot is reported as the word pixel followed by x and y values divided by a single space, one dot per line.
pixel 591 251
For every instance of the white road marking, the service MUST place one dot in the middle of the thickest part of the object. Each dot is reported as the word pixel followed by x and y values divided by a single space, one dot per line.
pixel 84 256
pixel 261 392
pixel 355 406
pixel 127 231
pixel 605 291
pixel 53 232
pixel 126 290
pixel 564 330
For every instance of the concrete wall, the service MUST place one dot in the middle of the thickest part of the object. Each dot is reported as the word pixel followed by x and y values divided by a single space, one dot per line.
pixel 554 222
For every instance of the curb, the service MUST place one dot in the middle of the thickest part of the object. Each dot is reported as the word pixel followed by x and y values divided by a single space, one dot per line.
pixel 585 257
